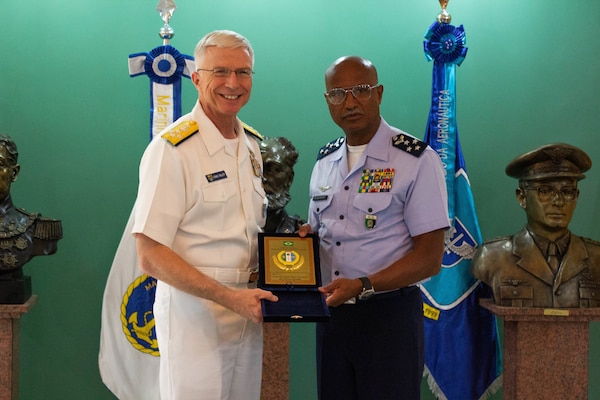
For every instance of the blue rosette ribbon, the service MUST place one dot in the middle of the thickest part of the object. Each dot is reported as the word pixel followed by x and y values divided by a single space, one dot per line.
pixel 165 66
pixel 445 43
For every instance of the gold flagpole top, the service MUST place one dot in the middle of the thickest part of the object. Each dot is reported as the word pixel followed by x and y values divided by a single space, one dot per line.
pixel 444 17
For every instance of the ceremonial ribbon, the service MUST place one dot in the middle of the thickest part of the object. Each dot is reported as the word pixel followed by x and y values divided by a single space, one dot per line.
pixel 165 66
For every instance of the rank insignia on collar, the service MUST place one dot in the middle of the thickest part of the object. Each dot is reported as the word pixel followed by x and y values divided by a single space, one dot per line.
pixel 330 147
pixel 409 144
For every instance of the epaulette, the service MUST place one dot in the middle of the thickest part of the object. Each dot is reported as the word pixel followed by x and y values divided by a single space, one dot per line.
pixel 409 144
pixel 180 132
pixel 252 131
pixel 331 147
pixel 48 229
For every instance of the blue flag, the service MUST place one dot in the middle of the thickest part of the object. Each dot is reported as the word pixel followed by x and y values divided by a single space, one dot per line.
pixel 462 355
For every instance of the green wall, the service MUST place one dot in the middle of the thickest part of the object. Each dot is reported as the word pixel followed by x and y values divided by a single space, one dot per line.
pixel 531 77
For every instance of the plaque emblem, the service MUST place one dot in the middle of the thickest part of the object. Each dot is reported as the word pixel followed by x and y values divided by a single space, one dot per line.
pixel 288 260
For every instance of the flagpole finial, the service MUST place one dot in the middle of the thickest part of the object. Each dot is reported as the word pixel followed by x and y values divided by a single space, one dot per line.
pixel 444 17
pixel 166 8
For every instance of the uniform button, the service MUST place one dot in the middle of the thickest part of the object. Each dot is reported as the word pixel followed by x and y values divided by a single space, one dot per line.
pixel 558 292
pixel 515 293
pixel 337 243
pixel 341 217
pixel 336 273
pixel 318 209
pixel 346 187
pixel 370 209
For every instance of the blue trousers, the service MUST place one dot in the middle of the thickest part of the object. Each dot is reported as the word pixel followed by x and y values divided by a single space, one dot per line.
pixel 373 349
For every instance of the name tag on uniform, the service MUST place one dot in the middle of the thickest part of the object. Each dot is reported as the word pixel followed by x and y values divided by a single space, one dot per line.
pixel 215 176
pixel 320 197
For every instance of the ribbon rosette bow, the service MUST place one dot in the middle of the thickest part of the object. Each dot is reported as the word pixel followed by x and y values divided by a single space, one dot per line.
pixel 445 43
pixel 164 65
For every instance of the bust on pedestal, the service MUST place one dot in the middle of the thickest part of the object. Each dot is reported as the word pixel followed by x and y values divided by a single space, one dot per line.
pixel 279 157
pixel 542 276
pixel 23 235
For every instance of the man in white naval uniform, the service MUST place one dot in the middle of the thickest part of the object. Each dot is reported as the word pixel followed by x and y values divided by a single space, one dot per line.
pixel 199 209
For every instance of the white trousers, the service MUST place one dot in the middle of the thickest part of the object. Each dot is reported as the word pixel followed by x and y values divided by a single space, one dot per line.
pixel 207 352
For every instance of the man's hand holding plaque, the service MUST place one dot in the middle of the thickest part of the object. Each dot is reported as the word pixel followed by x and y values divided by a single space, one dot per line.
pixel 289 267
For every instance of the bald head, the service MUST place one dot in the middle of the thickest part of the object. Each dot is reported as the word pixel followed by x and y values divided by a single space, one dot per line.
pixel 355 63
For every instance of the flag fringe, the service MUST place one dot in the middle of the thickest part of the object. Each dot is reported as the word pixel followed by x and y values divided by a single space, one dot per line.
pixel 439 395
pixel 433 386
pixel 493 388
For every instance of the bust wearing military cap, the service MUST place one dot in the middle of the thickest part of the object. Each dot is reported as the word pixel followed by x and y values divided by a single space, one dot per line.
pixel 544 264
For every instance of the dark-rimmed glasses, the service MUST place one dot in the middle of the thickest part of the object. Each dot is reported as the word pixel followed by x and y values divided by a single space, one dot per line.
pixel 548 192
pixel 224 72
pixel 337 96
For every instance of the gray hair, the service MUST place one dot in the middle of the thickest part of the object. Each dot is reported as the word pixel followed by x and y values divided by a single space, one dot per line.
pixel 224 39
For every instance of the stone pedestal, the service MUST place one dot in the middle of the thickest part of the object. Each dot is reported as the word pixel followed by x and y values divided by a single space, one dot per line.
pixel 276 350
pixel 545 351
pixel 10 315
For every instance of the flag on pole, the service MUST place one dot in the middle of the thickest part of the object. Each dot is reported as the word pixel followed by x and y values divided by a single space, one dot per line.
pixel 462 355
pixel 129 355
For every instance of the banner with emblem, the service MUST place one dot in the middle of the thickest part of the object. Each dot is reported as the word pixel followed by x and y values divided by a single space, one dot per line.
pixel 129 355
pixel 462 355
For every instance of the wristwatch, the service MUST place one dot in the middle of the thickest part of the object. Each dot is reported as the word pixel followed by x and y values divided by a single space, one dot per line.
pixel 367 290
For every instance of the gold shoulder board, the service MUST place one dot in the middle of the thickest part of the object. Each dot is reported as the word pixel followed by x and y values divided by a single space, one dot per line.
pixel 180 132
pixel 252 131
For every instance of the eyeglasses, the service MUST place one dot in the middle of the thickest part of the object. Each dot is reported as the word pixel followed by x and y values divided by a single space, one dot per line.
pixel 548 192
pixel 360 92
pixel 223 72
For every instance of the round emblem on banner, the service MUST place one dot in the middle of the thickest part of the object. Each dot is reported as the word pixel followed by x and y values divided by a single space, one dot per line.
pixel 445 43
pixel 137 317
pixel 164 65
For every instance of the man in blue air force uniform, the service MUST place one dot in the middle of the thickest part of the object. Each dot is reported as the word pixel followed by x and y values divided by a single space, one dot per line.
pixel 378 201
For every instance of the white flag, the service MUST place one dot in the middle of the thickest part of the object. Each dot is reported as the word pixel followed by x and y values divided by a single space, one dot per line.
pixel 129 356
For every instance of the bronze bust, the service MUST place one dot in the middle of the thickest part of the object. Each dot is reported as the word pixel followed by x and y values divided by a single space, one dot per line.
pixel 544 264
pixel 23 235
pixel 279 157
